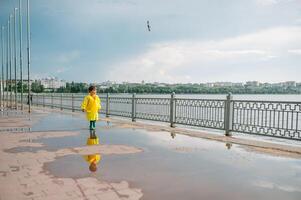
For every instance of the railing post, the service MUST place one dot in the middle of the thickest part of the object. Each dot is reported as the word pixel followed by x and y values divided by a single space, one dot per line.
pixel 72 99
pixel 1 92
pixel 172 110
pixel 43 100
pixel 32 98
pixel 108 105
pixel 134 107
pixel 61 101
pixel 51 100
pixel 228 115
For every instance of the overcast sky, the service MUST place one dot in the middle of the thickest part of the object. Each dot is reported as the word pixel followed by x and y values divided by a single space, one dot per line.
pixel 190 40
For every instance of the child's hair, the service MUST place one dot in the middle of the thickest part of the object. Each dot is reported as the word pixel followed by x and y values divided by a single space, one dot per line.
pixel 92 87
pixel 93 167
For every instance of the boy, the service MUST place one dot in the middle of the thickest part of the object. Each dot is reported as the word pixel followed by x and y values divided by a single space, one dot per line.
pixel 91 105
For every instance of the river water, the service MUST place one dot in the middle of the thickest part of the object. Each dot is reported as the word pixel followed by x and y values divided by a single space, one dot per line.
pixel 262 97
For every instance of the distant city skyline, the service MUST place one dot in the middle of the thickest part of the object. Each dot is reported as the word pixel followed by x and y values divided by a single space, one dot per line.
pixel 58 81
pixel 190 41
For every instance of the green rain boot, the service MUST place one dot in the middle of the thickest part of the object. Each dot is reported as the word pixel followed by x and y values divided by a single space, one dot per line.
pixel 93 125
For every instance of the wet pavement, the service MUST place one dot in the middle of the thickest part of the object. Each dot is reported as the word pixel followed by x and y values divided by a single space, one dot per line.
pixel 188 168
pixel 170 166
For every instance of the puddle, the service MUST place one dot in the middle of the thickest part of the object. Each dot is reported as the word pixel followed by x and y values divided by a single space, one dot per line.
pixel 63 122
pixel 181 167
pixel 24 149
pixel 16 130
pixel 171 166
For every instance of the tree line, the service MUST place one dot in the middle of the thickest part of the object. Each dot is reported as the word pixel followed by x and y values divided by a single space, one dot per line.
pixel 73 87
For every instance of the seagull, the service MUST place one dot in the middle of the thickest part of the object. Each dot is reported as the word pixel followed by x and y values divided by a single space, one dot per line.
pixel 148 26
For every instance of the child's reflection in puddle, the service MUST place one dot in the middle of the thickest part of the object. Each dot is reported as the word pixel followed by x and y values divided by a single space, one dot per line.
pixel 93 159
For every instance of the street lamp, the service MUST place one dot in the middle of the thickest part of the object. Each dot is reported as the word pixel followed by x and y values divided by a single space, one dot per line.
pixel 21 64
pixel 10 60
pixel 15 55
pixel 28 57
pixel 7 62
pixel 2 66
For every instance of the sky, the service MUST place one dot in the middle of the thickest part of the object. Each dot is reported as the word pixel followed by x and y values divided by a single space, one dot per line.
pixel 191 41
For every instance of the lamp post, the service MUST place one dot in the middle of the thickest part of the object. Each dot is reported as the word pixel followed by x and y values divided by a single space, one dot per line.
pixel 7 62
pixel 21 64
pixel 15 55
pixel 10 60
pixel 2 65
pixel 28 57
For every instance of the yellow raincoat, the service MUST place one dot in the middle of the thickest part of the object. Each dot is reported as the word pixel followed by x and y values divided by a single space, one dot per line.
pixel 94 158
pixel 91 105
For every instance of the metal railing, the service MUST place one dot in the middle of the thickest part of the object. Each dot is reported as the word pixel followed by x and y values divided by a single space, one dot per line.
pixel 273 118
pixel 208 113
pixel 268 118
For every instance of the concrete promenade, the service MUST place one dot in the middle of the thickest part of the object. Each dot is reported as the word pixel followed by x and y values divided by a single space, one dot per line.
pixel 22 175
pixel 23 157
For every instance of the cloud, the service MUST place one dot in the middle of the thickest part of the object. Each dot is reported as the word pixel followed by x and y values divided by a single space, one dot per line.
pixel 298 21
pixel 295 51
pixel 181 61
pixel 271 185
pixel 64 61
pixel 266 2
pixel 270 2
pixel 60 70
pixel 85 15
pixel 68 57
pixel 183 46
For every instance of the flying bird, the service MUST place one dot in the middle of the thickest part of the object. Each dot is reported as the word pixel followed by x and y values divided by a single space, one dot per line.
pixel 148 26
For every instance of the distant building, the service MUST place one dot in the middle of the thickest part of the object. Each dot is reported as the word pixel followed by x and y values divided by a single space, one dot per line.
pixel 103 87
pixel 223 84
pixel 209 84
pixel 286 84
pixel 289 84
pixel 237 84
pixel 277 84
pixel 52 83
pixel 160 84
pixel 268 85
pixel 107 84
pixel 252 83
